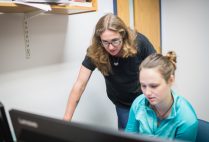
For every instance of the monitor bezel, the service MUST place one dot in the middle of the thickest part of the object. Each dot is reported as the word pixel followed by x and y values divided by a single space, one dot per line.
pixel 70 131
pixel 5 131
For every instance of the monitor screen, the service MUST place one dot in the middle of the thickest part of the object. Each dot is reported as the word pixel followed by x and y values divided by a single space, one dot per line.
pixel 5 133
pixel 30 127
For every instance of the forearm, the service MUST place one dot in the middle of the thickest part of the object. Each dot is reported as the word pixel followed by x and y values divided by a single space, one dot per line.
pixel 73 100
pixel 70 109
pixel 76 92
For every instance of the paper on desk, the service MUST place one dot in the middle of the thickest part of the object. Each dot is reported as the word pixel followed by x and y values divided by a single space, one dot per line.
pixel 45 7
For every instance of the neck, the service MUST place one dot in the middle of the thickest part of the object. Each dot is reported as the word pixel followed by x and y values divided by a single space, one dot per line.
pixel 163 110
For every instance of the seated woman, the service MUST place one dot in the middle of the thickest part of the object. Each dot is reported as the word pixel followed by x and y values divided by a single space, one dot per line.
pixel 160 111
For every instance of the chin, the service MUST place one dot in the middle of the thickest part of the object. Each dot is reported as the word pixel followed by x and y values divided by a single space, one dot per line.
pixel 152 102
pixel 114 54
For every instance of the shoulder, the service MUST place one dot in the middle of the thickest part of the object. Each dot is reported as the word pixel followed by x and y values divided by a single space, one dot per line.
pixel 144 46
pixel 142 39
pixel 139 102
pixel 182 103
pixel 184 110
pixel 88 63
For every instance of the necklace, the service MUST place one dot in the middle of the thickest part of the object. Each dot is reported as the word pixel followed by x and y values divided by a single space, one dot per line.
pixel 161 116
pixel 115 62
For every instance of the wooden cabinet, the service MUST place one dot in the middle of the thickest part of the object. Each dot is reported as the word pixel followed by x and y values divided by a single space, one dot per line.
pixel 11 7
pixel 146 18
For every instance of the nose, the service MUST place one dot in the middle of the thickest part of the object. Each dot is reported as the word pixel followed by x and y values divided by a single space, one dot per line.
pixel 111 47
pixel 147 92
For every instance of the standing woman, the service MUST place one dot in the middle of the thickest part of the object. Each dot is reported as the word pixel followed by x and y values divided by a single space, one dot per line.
pixel 160 111
pixel 116 51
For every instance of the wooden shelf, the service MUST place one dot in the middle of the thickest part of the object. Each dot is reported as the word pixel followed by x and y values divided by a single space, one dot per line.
pixel 67 9
pixel 9 7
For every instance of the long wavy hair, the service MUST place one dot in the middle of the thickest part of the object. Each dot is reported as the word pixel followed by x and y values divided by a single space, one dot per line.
pixel 97 53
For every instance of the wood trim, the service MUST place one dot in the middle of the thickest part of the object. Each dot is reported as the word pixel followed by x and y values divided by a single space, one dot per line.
pixel 147 20
pixel 123 11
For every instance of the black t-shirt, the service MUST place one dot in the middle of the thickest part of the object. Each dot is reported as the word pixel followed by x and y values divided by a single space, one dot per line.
pixel 122 85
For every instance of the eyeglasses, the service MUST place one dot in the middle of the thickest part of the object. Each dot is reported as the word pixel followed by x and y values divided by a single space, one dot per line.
pixel 114 42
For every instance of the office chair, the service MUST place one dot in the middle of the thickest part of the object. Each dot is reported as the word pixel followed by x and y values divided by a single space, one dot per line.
pixel 203 131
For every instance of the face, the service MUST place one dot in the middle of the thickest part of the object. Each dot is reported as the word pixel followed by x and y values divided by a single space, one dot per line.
pixel 112 42
pixel 154 86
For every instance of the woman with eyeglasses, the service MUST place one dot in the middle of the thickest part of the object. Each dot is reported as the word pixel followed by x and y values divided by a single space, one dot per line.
pixel 116 51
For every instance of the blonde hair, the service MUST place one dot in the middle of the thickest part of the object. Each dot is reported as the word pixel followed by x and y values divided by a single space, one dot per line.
pixel 99 56
pixel 165 64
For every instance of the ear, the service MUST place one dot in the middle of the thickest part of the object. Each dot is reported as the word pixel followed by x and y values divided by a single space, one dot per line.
pixel 171 80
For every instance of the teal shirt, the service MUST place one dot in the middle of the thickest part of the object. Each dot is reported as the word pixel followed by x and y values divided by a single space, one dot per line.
pixel 181 124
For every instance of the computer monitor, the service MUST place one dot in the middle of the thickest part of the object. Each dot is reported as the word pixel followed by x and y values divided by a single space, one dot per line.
pixel 5 133
pixel 30 127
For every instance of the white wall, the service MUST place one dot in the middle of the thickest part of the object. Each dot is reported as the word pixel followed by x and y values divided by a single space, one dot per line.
pixel 185 30
pixel 42 83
